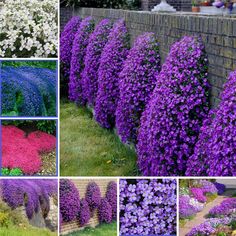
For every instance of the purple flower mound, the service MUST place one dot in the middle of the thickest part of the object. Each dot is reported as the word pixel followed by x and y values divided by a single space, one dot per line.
pixel 220 188
pixel 105 211
pixel 185 208
pixel 111 63
pixel 84 214
pixel 77 60
pixel 225 208
pixel 69 200
pixel 172 119
pixel 111 196
pixel 93 196
pixel 148 207
pixel 215 152
pixel 198 194
pixel 33 194
pixel 208 187
pixel 203 229
pixel 97 42
pixel 66 42
pixel 137 81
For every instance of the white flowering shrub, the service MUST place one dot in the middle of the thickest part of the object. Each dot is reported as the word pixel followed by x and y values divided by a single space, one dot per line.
pixel 29 28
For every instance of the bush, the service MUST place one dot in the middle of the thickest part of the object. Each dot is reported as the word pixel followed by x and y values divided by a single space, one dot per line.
pixel 84 213
pixel 11 172
pixel 111 196
pixel 214 153
pixel 112 59
pixel 97 42
pixel 69 200
pixel 105 211
pixel 172 119
pixel 80 43
pixel 29 29
pixel 136 83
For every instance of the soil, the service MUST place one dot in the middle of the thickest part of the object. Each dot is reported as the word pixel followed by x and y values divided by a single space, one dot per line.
pixel 49 166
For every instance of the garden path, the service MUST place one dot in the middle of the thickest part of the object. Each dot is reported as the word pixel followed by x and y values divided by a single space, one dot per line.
pixel 200 216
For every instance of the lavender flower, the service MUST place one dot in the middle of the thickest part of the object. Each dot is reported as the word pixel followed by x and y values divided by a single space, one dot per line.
pixel 105 211
pixel 225 208
pixel 136 82
pixel 111 63
pixel 84 213
pixel 220 188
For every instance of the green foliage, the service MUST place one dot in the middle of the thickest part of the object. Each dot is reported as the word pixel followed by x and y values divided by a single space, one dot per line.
pixel 184 183
pixel 5 171
pixel 211 197
pixel 233 225
pixel 37 64
pixel 4 220
pixel 12 172
pixel 221 234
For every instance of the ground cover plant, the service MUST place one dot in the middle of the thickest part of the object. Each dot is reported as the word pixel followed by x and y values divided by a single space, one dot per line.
pixel 28 90
pixel 23 147
pixel 148 207
pixel 29 28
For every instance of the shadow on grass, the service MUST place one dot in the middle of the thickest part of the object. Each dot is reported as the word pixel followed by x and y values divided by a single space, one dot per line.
pixel 86 149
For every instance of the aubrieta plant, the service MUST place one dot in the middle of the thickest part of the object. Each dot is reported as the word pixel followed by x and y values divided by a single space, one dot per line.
pixel 66 43
pixel 97 42
pixel 105 211
pixel 215 153
pixel 111 62
pixel 80 44
pixel 226 207
pixel 136 83
pixel 111 196
pixel 172 119
pixel 84 213
pixel 148 207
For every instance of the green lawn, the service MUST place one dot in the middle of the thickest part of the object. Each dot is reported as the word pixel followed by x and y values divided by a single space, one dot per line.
pixel 101 230
pixel 86 149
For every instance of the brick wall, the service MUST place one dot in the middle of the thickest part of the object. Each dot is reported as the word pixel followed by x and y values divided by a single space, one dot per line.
pixel 218 34
pixel 81 185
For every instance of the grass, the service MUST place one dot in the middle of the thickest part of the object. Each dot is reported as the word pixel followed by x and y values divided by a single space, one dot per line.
pixel 101 230
pixel 18 231
pixel 38 64
pixel 86 149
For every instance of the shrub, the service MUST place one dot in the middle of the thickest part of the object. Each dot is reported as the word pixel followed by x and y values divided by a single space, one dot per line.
pixel 29 29
pixel 220 188
pixel 198 194
pixel 172 119
pixel 97 42
pixel 84 213
pixel 111 62
pixel 111 196
pixel 105 211
pixel 28 91
pixel 80 43
pixel 93 196
pixel 69 200
pixel 214 153
pixel 136 83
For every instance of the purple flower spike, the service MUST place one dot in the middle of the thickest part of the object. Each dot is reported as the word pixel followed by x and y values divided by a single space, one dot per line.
pixel 137 82
pixel 84 213
pixel 172 119
pixel 111 63
pixel 77 60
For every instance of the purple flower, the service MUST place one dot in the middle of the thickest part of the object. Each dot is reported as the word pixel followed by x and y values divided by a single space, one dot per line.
pixel 172 119
pixel 105 211
pixel 80 43
pixel 220 188
pixel 111 63
pixel 84 213
pixel 136 82
pixel 185 208
pixel 97 42
pixel 198 194
pixel 208 187
pixel 203 229
pixel 111 196
pixel 225 208
pixel 215 153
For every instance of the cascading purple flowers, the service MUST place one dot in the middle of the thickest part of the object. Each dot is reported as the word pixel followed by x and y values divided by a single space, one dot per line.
pixel 215 152
pixel 203 229
pixel 225 208
pixel 97 42
pixel 111 196
pixel 198 194
pixel 185 208
pixel 105 211
pixel 69 200
pixel 80 43
pixel 148 207
pixel 66 42
pixel 136 82
pixel 111 63
pixel 171 122
pixel 84 213
pixel 208 187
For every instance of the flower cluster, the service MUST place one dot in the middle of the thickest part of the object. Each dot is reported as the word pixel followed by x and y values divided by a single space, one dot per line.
pixel 33 194
pixel 66 43
pixel 93 196
pixel 28 91
pixel 97 42
pixel 84 213
pixel 69 200
pixel 29 29
pixel 19 151
pixel 198 194
pixel 136 83
pixel 105 211
pixel 111 196
pixel 214 153
pixel 112 59
pixel 220 188
pixel 208 187
pixel 225 208
pixel 171 122
pixel 148 207
pixel 80 43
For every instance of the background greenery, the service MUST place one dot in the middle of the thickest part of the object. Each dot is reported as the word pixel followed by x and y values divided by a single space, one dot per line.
pixel 37 64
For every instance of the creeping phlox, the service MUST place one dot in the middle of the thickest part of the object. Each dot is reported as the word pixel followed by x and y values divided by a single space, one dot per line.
pixel 29 29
